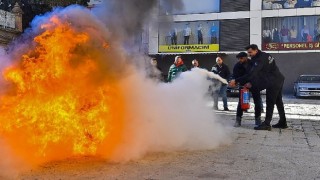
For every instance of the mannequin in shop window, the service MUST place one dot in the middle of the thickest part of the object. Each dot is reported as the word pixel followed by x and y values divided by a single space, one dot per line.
pixel 293 34
pixel 289 4
pixel 266 35
pixel 316 36
pixel 214 34
pixel 305 33
pixel 173 36
pixel 200 34
pixel 275 35
pixel 284 34
pixel 187 34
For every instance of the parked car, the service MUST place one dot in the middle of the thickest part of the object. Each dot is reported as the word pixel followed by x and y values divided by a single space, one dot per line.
pixel 233 91
pixel 307 86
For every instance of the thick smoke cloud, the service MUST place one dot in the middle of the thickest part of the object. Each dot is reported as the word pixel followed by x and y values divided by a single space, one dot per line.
pixel 169 117
pixel 158 117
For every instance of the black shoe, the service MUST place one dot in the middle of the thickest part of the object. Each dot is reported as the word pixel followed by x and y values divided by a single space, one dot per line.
pixel 226 109
pixel 280 125
pixel 257 121
pixel 263 126
pixel 215 108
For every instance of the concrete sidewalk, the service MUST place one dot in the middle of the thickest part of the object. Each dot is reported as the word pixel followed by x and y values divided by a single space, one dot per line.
pixel 290 154
pixel 293 153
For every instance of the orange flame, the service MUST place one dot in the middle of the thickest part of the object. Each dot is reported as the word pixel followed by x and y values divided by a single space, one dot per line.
pixel 55 107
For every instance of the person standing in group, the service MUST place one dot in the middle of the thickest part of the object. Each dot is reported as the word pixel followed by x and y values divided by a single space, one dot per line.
pixel 200 34
pixel 293 34
pixel 173 36
pixel 316 32
pixel 195 64
pixel 213 34
pixel 223 71
pixel 186 34
pixel 265 74
pixel 154 71
pixel 305 33
pixel 176 68
pixel 266 35
pixel 240 72
pixel 284 34
pixel 275 35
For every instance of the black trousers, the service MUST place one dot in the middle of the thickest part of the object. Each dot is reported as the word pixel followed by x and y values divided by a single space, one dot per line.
pixel 186 40
pixel 256 96
pixel 200 40
pixel 174 40
pixel 274 97
pixel 213 40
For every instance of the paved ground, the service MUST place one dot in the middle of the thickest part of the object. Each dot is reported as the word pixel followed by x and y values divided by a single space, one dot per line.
pixel 293 153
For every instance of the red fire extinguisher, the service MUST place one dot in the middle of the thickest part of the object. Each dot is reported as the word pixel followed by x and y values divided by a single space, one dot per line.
pixel 245 98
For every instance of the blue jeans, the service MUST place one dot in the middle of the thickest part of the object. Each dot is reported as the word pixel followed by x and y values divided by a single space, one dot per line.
pixel 223 93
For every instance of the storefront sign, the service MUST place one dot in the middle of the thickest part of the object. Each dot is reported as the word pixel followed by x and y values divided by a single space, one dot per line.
pixel 189 48
pixel 291 46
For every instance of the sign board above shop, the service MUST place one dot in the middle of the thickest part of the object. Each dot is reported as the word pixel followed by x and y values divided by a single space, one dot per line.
pixel 189 48
pixel 291 33
pixel 291 46
pixel 184 37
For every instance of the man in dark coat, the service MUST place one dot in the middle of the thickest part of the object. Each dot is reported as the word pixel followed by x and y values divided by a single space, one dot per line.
pixel 223 71
pixel 240 71
pixel 265 74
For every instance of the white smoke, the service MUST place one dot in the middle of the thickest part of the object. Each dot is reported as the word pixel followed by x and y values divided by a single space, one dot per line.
pixel 169 117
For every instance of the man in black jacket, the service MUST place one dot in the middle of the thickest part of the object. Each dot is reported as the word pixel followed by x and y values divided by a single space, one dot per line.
pixel 223 71
pixel 266 75
pixel 240 71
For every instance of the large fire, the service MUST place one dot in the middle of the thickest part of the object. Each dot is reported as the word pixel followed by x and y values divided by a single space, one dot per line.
pixel 55 106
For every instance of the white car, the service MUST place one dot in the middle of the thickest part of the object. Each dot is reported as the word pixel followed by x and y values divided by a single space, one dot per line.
pixel 307 86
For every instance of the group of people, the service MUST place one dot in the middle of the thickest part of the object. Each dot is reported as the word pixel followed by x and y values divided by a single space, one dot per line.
pixel 259 73
pixel 286 35
pixel 187 33
pixel 255 70
pixel 217 89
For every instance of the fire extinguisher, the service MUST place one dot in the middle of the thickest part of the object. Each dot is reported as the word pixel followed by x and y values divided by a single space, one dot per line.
pixel 245 98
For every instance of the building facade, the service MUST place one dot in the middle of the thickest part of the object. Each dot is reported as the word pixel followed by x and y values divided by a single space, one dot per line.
pixel 10 26
pixel 288 29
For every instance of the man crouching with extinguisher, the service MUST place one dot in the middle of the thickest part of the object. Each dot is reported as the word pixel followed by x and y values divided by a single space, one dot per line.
pixel 241 71
pixel 265 74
